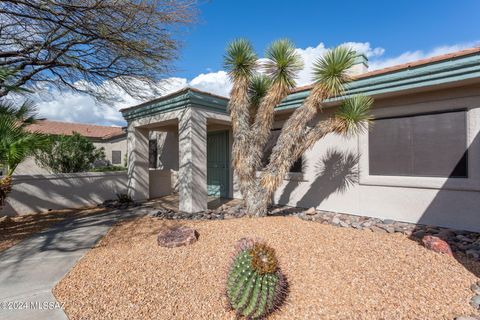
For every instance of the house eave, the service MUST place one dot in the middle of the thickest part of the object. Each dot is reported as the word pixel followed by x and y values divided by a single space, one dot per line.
pixel 181 99
pixel 447 72
pixel 429 76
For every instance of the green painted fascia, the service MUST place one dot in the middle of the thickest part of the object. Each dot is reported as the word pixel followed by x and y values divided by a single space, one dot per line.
pixel 442 72
pixel 183 99
pixel 417 77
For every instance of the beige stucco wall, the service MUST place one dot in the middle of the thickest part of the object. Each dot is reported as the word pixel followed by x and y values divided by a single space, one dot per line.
pixel 29 166
pixel 39 193
pixel 345 186
pixel 119 144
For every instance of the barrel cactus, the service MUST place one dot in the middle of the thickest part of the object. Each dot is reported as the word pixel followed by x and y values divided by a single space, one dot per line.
pixel 255 285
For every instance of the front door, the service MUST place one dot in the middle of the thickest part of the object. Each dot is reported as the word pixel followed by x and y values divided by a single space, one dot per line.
pixel 217 164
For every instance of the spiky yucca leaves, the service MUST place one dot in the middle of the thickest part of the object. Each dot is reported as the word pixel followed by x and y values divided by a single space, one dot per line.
pixel 353 116
pixel 330 74
pixel 259 86
pixel 255 285
pixel 282 65
pixel 240 62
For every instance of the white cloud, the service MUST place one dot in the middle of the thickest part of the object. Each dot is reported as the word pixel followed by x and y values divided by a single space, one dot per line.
pixel 78 107
pixel 214 82
pixel 311 54
pixel 410 56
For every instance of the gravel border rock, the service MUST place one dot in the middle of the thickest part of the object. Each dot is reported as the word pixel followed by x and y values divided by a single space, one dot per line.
pixel 460 241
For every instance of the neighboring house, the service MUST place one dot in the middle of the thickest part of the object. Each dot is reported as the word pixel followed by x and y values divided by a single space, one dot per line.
pixel 112 139
pixel 419 161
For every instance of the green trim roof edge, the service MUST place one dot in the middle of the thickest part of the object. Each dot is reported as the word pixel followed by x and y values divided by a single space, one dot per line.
pixel 431 74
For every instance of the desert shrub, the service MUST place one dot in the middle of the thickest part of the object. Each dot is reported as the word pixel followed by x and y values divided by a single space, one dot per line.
pixel 124 198
pixel 108 169
pixel 69 154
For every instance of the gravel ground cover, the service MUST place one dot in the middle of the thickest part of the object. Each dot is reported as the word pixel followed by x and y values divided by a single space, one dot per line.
pixel 334 273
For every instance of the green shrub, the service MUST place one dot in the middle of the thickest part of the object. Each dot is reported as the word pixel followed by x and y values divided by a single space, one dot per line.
pixel 255 285
pixel 69 154
pixel 124 198
pixel 108 169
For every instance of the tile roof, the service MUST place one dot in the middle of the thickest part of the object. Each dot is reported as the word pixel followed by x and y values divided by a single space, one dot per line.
pixel 407 65
pixel 68 128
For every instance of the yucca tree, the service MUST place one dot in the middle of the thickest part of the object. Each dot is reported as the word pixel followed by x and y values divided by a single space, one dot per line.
pixel 281 67
pixel 241 63
pixel 16 143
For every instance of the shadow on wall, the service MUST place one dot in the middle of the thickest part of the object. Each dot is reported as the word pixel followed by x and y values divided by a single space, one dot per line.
pixel 451 204
pixel 336 171
pixel 35 194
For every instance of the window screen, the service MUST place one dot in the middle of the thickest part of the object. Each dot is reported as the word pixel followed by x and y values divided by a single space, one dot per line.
pixel 429 145
pixel 272 141
pixel 116 157
pixel 152 154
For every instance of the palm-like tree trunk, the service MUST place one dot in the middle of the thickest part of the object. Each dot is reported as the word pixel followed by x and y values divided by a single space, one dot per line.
pixel 260 132
pixel 239 112
pixel 298 134
pixel 5 189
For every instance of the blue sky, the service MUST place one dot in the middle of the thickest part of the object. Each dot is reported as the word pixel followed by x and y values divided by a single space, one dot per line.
pixel 396 26
pixel 388 32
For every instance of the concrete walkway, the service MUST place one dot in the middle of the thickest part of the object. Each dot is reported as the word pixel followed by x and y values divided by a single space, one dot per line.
pixel 30 269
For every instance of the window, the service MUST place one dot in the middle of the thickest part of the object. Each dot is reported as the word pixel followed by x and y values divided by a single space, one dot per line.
pixel 272 141
pixel 152 154
pixel 423 145
pixel 116 157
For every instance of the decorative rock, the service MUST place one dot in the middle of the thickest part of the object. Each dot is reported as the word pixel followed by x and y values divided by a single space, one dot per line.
pixel 388 221
pixel 463 238
pixel 335 220
pixel 367 224
pixel 389 229
pixel 475 287
pixel 467 318
pixel 475 301
pixel 436 244
pixel 472 254
pixel 356 225
pixel 418 234
pixel 176 236
pixel 311 211
pixel 344 224
pixel 377 229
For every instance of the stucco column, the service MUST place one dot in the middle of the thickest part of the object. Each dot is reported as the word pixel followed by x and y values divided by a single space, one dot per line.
pixel 192 175
pixel 138 175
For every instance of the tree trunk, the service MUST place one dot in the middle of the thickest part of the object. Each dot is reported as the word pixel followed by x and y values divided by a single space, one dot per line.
pixel 256 200
pixel 5 189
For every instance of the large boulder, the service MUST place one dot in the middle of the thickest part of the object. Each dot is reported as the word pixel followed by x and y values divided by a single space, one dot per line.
pixel 176 236
pixel 436 244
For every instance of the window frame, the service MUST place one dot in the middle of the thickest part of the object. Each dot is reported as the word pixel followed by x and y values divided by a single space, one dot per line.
pixel 153 154
pixel 120 161
pixel 419 114
pixel 471 183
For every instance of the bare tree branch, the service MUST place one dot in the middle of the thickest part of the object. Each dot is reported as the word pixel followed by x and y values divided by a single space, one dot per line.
pixel 67 42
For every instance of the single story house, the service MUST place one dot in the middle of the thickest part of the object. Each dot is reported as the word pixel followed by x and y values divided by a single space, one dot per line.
pixel 112 139
pixel 418 162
